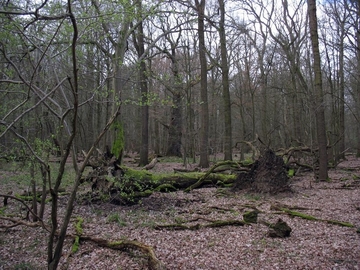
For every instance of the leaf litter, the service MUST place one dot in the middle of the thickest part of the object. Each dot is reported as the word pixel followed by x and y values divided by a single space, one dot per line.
pixel 311 245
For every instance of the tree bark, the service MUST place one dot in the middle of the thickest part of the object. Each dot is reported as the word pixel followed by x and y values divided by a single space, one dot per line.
pixel 318 93
pixel 204 106
pixel 225 85
pixel 175 126
pixel 140 47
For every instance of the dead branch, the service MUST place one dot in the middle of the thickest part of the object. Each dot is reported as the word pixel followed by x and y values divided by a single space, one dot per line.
pixel 151 164
pixel 153 261
pixel 17 222
pixel 309 217
pixel 251 144
pixel 212 224
pixel 203 178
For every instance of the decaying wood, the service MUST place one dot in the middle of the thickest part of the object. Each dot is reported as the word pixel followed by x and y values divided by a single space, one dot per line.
pixel 309 217
pixel 153 262
pixel 197 226
pixel 196 169
pixel 204 177
pixel 18 222
pixel 151 164
pixel 279 229
pixel 268 174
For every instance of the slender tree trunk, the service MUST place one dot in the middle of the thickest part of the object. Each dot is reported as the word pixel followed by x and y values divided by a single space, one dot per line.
pixel 56 242
pixel 341 102
pixel 225 84
pixel 318 93
pixel 204 107
pixel 357 97
pixel 175 134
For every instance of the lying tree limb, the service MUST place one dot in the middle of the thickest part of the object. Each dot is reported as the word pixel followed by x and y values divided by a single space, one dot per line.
pixel 151 164
pixel 17 222
pixel 153 262
pixel 212 224
pixel 309 217
pixel 204 177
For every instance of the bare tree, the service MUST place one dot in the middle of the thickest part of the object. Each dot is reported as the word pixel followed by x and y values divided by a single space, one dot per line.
pixel 204 133
pixel 318 93
pixel 225 84
pixel 139 42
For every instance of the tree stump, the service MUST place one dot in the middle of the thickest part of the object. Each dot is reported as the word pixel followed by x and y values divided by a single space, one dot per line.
pixel 279 229
pixel 268 174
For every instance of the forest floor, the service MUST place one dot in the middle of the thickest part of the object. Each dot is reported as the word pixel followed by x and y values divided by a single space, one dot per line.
pixel 311 245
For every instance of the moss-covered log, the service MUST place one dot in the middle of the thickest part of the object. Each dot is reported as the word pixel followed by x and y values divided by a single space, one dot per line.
pixel 122 185
pixel 309 217
pixel 131 185
pixel 205 177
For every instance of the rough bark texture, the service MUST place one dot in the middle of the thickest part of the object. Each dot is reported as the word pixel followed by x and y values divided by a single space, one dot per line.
pixel 204 109
pixel 225 84
pixel 318 94
pixel 267 175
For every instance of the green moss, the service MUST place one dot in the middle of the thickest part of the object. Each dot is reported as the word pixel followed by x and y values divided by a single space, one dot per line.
pixel 118 144
pixel 76 244
pixel 250 216
pixel 78 225
pixel 79 232
pixel 308 217
pixel 298 214
pixel 344 224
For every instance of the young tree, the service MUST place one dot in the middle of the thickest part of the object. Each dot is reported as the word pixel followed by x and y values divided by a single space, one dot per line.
pixel 64 106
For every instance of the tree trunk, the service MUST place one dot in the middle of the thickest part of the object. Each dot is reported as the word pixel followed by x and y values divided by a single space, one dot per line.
pixel 318 93
pixel 204 106
pixel 175 127
pixel 357 97
pixel 140 48
pixel 225 84
pixel 175 134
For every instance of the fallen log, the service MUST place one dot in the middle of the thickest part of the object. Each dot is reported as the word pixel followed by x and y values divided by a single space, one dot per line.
pixel 153 262
pixel 129 186
pixel 122 185
pixel 309 217
pixel 197 226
